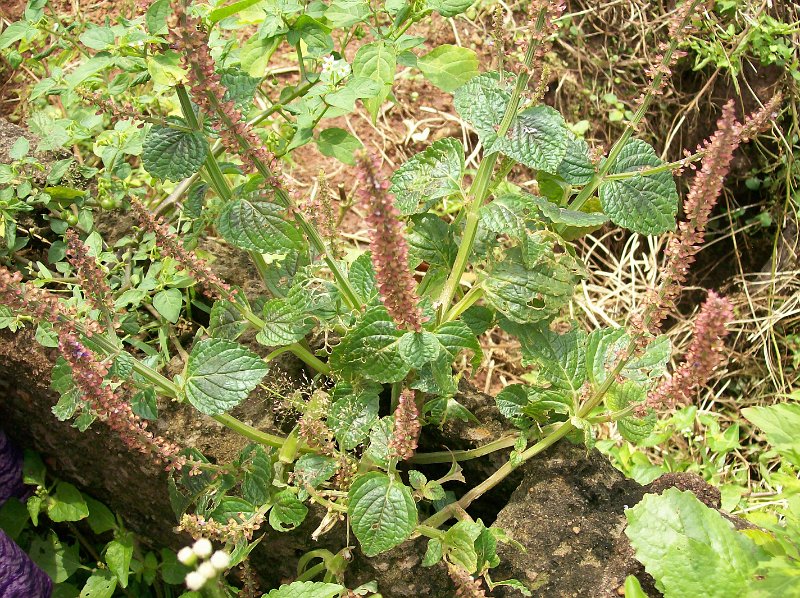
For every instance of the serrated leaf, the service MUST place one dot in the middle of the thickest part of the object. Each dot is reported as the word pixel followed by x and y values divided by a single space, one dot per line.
pixel 576 168
pixel 511 401
pixel 379 437
pixel 780 423
pixel 172 154
pixel 525 288
pixel 428 176
pixel 689 548
pixel 537 138
pixel 418 348
pixel 314 470
pixel 619 397
pixel 643 204
pixel 431 240
pixel 258 474
pixel 287 512
pixel 507 215
pixel 382 512
pixel 221 374
pixel 307 589
pixel 371 349
pixel 459 544
pixel 240 88
pixel 362 276
pixel 376 61
pixel 256 224
pixel 284 322
pixel 433 553
pixel 448 67
pixel 560 358
pixel 119 553
pixel 606 345
pixel 455 337
pixel 226 321
pixel 559 215
pixel 232 507
pixel 66 504
pixel 353 413
pixel 481 102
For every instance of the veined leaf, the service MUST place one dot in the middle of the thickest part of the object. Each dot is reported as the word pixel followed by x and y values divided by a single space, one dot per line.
pixel 307 589
pixel 285 319
pixel 353 413
pixel 607 344
pixel 620 396
pixel 537 138
pixel 643 204
pixel 455 337
pixel 560 358
pixel 780 423
pixel 431 240
pixel 481 102
pixel 576 168
pixel 449 8
pixel 172 154
pixel 220 374
pixel 376 61
pixel 256 224
pixel 419 348
pixel 382 512
pixel 429 175
pixel 448 67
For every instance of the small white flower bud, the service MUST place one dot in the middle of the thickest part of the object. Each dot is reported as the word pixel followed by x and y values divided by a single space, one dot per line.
pixel 203 548
pixel 207 570
pixel 187 556
pixel 220 560
pixel 195 580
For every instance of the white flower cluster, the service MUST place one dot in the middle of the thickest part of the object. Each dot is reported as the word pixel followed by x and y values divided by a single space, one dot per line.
pixel 206 570
pixel 333 70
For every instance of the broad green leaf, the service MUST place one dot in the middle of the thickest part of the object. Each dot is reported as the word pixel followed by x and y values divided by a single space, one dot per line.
pixel 66 504
pixel 371 349
pixel 382 512
pixel 256 224
pixel 315 34
pixel 345 13
pixel 449 67
pixel 287 512
pixel 418 348
pixel 221 374
pixel 481 102
pixel 239 87
pixel 353 413
pixel 433 553
pixel 100 519
pixel 231 507
pixel 690 549
pixel 285 321
pixel 314 470
pixel 172 154
pixel 620 396
pixel 431 240
pixel 531 286
pixel 376 61
pixel 307 589
pixel 543 401
pixel 780 423
pixel 537 138
pixel 436 378
pixel 119 553
pixel 379 438
pixel 576 168
pixel 231 9
pixel 428 176
pixel 15 32
pixel 606 345
pixel 779 576
pixel 459 544
pixel 508 214
pixel 362 276
pixel 58 560
pixel 633 589
pixel 559 215
pixel 226 321
pixel 338 143
pixel 258 474
pixel 101 584
pixel 156 16
pixel 168 304
pixel 560 359
pixel 449 8
pixel 643 204
pixel 511 401
pixel 456 337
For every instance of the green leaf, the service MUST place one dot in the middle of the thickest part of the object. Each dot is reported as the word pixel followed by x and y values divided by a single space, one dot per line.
pixel 690 549
pixel 459 544
pixel 287 512
pixel 449 67
pixel 643 204
pixel 382 512
pixel 619 397
pixel 379 438
pixel 780 423
pixel 633 589
pixel 456 337
pixel 315 35
pixel 433 553
pixel 537 138
pixel 449 8
pixel 54 558
pixel 227 11
pixel 307 589
pixel 168 304
pixel 221 374
pixel 338 143
pixel 418 348
pixel 345 13
pixel 101 584
pixel 430 175
pixel 362 276
pixel 101 519
pixel 257 224
pixel 371 349
pixel 231 507
pixel 172 154
pixel 559 215
pixel 511 401
pixel 431 240
pixel 576 168
pixel 481 102
pixel 258 475
pixel 226 321
pixel 66 504
pixel 314 470
pixel 285 321
pixel 14 516
pixel 156 16
pixel 560 358
pixel 508 214
pixel 353 413
pixel 239 87
pixel 607 344
pixel 119 553
pixel 530 290
pixel 376 61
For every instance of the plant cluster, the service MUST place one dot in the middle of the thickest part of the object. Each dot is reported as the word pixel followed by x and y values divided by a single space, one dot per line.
pixel 190 131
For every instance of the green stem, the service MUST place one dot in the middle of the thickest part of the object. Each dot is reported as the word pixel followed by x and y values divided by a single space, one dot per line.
pixel 465 455
pixel 472 296
pixel 249 432
pixel 309 358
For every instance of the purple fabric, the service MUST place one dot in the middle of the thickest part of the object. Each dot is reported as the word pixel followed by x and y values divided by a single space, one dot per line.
pixel 10 471
pixel 20 577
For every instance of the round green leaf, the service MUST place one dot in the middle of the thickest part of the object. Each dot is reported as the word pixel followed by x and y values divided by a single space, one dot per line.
pixel 258 225
pixel 338 143
pixel 382 512
pixel 172 154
